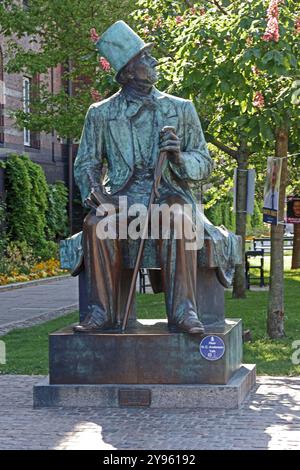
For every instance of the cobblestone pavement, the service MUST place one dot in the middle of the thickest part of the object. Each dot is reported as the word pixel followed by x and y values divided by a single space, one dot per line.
pixel 268 419
pixel 34 304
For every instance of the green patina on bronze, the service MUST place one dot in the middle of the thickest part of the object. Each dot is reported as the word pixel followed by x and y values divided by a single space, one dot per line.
pixel 125 131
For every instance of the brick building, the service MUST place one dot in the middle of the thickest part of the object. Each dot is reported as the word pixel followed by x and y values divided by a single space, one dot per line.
pixel 15 93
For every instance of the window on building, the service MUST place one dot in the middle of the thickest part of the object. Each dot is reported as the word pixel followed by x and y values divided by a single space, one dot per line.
pixel 34 96
pixel 30 94
pixel 26 106
pixel 2 97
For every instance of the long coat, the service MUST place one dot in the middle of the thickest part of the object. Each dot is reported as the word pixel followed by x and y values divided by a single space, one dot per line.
pixel 107 135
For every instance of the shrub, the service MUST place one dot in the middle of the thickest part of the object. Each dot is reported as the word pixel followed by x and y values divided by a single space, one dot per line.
pixel 3 236
pixel 57 215
pixel 18 258
pixel 27 201
pixel 35 216
pixel 46 249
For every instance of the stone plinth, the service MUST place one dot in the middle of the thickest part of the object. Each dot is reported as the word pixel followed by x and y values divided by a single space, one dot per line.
pixel 227 396
pixel 148 354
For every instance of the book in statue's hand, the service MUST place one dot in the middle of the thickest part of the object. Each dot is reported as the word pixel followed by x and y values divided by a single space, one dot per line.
pixel 89 203
pixel 103 201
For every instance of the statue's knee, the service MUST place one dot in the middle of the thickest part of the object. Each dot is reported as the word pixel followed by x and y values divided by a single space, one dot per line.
pixel 181 221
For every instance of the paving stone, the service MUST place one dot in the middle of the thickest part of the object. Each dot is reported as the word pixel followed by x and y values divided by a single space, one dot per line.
pixel 268 419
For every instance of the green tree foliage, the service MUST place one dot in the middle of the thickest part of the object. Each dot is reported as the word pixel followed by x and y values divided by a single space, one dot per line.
pixel 216 55
pixel 242 85
pixel 239 61
pixel 222 213
pixel 62 31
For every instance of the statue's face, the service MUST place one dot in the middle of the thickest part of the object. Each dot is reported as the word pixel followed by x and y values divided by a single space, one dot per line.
pixel 144 68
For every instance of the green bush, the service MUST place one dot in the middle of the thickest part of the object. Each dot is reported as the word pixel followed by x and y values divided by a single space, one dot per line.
pixel 46 249
pixel 3 236
pixel 27 201
pixel 57 215
pixel 221 213
pixel 39 201
pixel 19 258
pixel 36 213
pixel 214 214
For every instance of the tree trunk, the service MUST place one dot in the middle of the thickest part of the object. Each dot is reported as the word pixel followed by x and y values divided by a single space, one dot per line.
pixel 296 247
pixel 275 320
pixel 239 283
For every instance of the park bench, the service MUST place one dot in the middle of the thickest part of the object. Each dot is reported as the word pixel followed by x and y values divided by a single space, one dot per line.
pixel 143 277
pixel 248 266
pixel 265 244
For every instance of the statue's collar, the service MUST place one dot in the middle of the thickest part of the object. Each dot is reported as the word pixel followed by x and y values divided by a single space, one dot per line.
pixel 129 107
pixel 136 101
pixel 130 94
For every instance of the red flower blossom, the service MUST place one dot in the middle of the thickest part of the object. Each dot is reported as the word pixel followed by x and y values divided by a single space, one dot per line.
pixel 95 95
pixel 272 10
pixel 255 70
pixel 157 23
pixel 179 19
pixel 93 35
pixel 145 31
pixel 258 100
pixel 195 10
pixel 297 25
pixel 104 64
pixel 272 30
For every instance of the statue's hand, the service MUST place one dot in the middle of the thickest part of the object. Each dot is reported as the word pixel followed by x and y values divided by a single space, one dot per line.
pixel 89 204
pixel 98 198
pixel 171 143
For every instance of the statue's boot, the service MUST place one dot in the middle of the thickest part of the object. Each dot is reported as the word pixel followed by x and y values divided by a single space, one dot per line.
pixel 89 325
pixel 190 324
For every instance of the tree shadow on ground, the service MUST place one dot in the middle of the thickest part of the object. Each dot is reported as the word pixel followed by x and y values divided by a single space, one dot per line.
pixel 268 419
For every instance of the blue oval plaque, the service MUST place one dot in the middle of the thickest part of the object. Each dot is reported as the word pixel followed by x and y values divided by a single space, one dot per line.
pixel 212 348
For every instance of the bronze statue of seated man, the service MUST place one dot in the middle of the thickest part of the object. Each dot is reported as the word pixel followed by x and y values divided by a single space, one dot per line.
pixel 125 130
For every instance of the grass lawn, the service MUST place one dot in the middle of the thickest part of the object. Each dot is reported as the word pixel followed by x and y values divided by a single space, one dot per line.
pixel 27 349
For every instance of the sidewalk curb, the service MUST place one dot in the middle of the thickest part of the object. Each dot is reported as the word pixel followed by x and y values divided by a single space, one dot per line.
pixel 35 282
pixel 43 318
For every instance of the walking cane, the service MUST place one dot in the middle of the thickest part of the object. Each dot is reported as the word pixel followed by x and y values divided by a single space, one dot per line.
pixel 154 193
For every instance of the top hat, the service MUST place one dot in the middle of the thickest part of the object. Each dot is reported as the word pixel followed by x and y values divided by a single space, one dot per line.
pixel 119 44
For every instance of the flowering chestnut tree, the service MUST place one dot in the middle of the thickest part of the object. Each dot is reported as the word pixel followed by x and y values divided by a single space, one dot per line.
pixel 238 61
